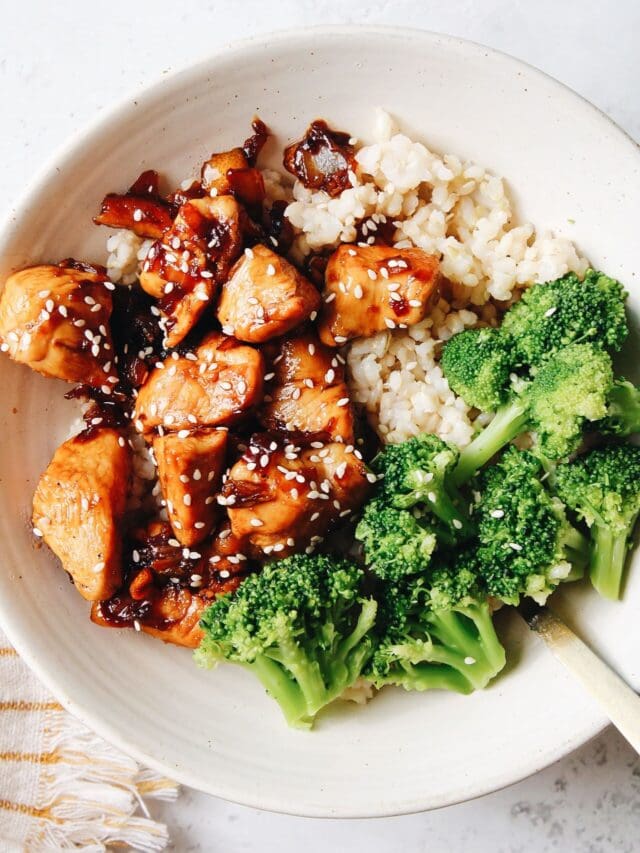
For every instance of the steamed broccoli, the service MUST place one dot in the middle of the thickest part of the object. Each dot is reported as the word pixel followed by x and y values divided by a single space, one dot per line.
pixel 603 488
pixel 395 543
pixel 551 316
pixel 526 544
pixel 477 364
pixel 623 410
pixel 565 392
pixel 417 472
pixel 302 626
pixel 436 633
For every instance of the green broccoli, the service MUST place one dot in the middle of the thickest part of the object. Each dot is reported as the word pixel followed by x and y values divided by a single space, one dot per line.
pixel 603 488
pixel 478 364
pixel 551 316
pixel 395 543
pixel 526 544
pixel 565 392
pixel 623 410
pixel 417 473
pixel 302 626
pixel 436 633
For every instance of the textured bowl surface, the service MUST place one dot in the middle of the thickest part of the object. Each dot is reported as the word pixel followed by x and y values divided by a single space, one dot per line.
pixel 569 169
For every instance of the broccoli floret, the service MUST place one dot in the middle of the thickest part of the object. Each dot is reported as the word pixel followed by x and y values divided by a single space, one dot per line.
pixel 623 410
pixel 417 472
pixel 526 544
pixel 477 364
pixel 395 543
pixel 436 634
pixel 566 391
pixel 551 316
pixel 603 488
pixel 302 626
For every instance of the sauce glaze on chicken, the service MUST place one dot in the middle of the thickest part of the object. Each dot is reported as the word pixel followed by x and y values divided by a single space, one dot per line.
pixel 224 360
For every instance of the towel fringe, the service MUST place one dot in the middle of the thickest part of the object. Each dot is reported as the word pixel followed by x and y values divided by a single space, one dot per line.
pixel 89 793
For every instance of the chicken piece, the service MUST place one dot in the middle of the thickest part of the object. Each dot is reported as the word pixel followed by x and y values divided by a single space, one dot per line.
pixel 214 171
pixel 185 268
pixel 169 587
pixel 372 288
pixel 264 297
pixel 213 386
pixel 140 209
pixel 308 392
pixel 56 320
pixel 78 507
pixel 283 500
pixel 190 469
pixel 322 159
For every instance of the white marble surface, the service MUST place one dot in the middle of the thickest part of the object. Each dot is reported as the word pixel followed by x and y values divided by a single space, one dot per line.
pixel 60 63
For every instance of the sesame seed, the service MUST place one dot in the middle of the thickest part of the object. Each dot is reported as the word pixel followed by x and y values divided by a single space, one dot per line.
pixel 497 513
pixel 343 401
pixel 313 315
pixel 390 324
pixel 352 252
pixel 415 303
pixel 358 292
pixel 49 305
pixel 432 497
pixel 249 253
pixel 514 546
pixel 137 215
pixel 98 567
pixel 183 433
pixel 256 522
pixel 268 376
pixel 372 478
pixel 271 270
pixel 469 660
pixel 224 573
pixel 186 500
pixel 63 311
pixel 329 298
pixel 340 339
pixel 37 532
pixel 136 625
pixel 551 311
pixel 457 523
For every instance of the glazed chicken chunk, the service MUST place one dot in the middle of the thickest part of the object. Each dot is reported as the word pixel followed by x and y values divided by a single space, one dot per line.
pixel 184 269
pixel 140 209
pixel 284 499
pixel 372 288
pixel 56 320
pixel 78 506
pixel 307 392
pixel 168 587
pixel 212 386
pixel 189 469
pixel 265 297
pixel 214 174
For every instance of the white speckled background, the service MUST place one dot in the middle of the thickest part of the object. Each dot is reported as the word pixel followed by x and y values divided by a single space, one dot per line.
pixel 61 62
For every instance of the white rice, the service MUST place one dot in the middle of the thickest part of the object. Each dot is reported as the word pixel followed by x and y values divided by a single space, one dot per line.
pixel 445 206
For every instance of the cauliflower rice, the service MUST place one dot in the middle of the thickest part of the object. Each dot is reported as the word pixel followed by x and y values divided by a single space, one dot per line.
pixel 440 204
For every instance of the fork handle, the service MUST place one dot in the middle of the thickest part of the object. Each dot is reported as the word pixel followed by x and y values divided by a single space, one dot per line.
pixel 616 698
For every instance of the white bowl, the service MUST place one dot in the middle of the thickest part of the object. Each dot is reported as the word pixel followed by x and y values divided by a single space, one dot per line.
pixel 570 169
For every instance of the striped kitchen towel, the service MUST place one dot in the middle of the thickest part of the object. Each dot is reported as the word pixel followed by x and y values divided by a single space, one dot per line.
pixel 61 786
